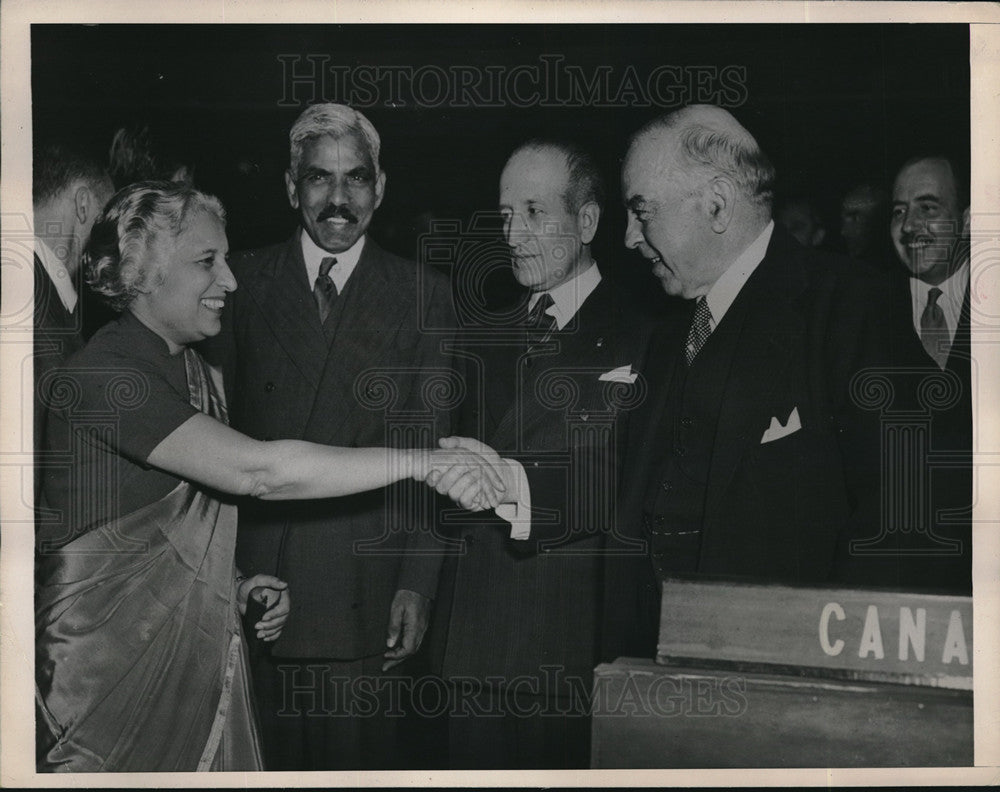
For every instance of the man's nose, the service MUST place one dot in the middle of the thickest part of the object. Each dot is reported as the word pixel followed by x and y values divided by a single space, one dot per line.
pixel 633 233
pixel 336 194
pixel 910 222
pixel 513 229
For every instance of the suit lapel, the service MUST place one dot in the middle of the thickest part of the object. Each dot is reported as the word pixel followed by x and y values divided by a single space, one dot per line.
pixel 761 354
pixel 370 312
pixel 588 342
pixel 284 298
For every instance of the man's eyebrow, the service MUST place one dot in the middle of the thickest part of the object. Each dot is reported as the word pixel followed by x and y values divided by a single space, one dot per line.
pixel 315 170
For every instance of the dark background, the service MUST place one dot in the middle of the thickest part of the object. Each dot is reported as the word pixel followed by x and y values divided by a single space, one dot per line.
pixel 831 104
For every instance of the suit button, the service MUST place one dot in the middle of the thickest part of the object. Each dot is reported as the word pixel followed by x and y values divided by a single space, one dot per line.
pixel 686 423
pixel 667 486
pixel 355 605
pixel 680 450
pixel 470 540
pixel 269 387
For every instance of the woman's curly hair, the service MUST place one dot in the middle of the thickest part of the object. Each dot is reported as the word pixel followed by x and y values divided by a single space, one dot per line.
pixel 117 263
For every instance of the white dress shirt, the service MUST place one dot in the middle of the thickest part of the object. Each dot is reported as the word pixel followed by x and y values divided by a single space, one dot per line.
pixel 339 272
pixel 952 296
pixel 567 297
pixel 58 274
pixel 725 290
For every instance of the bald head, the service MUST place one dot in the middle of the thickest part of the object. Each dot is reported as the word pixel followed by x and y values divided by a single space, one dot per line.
pixel 702 141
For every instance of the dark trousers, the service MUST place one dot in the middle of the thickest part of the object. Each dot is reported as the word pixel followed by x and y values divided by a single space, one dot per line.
pixel 502 729
pixel 319 714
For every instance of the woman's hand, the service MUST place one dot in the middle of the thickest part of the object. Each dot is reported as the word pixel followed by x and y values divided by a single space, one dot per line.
pixel 468 478
pixel 270 592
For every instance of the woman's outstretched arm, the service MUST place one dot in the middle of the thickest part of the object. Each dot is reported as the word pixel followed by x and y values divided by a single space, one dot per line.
pixel 208 452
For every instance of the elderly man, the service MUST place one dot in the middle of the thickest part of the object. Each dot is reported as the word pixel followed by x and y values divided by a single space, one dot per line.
pixel 929 226
pixel 331 339
pixel 70 187
pixel 752 457
pixel 549 389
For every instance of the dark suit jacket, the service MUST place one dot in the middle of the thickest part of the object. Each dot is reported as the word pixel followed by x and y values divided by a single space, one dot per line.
pixel 506 606
pixel 786 510
pixel 56 336
pixel 376 376
pixel 950 465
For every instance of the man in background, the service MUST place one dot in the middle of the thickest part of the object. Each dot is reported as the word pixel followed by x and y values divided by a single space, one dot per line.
pixel 69 189
pixel 929 226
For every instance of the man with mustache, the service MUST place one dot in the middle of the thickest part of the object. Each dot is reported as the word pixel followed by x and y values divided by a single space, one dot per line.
pixel 331 339
pixel 929 225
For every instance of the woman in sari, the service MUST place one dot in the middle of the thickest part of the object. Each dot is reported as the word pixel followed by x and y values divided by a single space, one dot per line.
pixel 140 660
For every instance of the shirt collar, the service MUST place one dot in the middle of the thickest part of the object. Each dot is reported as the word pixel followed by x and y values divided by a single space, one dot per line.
pixel 725 290
pixel 341 271
pixel 568 296
pixel 58 274
pixel 952 288
pixel 952 297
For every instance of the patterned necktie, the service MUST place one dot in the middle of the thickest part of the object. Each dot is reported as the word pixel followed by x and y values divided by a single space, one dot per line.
pixel 701 329
pixel 324 289
pixel 539 323
pixel 934 329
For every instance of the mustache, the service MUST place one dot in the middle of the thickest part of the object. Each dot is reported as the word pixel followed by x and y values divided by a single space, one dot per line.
pixel 342 211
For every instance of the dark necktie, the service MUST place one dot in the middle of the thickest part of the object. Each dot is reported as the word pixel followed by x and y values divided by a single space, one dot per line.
pixel 701 329
pixel 324 289
pixel 539 323
pixel 934 329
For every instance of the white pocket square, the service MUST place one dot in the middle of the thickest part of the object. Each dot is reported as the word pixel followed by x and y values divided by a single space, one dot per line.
pixel 620 374
pixel 777 430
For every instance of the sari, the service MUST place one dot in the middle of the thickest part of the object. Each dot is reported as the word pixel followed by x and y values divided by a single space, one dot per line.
pixel 140 659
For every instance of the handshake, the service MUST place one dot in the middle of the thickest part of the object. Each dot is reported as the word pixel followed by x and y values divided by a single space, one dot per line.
pixel 469 472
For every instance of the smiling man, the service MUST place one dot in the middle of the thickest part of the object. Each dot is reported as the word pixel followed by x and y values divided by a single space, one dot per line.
pixel 311 317
pixel 929 226
pixel 930 231
pixel 753 457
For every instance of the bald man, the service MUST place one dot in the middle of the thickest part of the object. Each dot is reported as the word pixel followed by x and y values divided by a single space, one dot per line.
pixel 751 458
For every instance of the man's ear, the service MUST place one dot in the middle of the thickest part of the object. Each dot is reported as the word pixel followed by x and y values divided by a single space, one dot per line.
pixel 290 188
pixel 818 236
pixel 379 188
pixel 721 196
pixel 85 204
pixel 588 216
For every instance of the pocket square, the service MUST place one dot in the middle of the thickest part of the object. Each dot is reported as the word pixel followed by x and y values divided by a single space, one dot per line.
pixel 620 374
pixel 777 430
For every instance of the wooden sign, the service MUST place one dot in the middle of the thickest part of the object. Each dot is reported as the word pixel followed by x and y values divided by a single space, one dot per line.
pixel 882 636
pixel 648 715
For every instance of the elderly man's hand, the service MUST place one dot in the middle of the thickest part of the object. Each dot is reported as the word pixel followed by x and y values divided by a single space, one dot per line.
pixel 465 476
pixel 409 616
pixel 452 483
